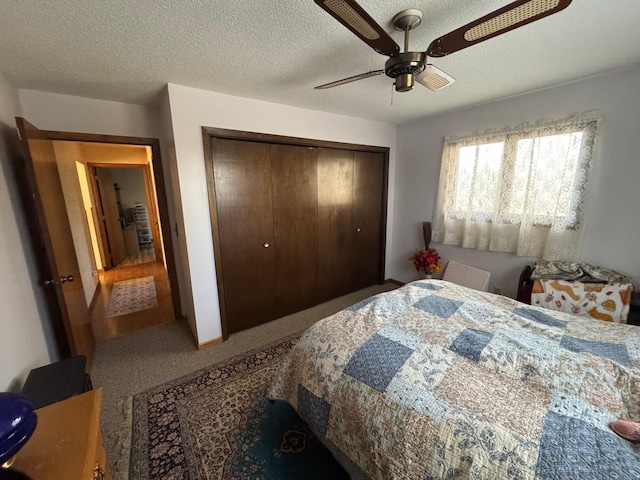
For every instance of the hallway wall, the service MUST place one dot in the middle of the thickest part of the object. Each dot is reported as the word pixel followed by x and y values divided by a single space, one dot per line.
pixel 67 154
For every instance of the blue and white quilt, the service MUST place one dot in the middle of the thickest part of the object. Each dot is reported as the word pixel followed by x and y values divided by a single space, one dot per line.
pixel 437 381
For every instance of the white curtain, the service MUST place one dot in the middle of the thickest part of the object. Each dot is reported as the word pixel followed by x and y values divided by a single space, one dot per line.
pixel 518 190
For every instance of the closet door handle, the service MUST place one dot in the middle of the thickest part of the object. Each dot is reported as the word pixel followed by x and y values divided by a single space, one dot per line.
pixel 265 244
pixel 357 229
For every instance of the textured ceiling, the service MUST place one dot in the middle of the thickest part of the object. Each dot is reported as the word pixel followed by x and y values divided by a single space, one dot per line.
pixel 279 50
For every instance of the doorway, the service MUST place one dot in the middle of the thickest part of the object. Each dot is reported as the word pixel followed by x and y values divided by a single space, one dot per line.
pixel 112 204
pixel 67 266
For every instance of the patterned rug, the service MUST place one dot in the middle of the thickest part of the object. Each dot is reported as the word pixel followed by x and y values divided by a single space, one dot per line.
pixel 217 424
pixel 131 296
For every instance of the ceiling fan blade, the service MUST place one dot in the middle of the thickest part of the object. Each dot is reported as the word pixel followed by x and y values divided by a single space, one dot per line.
pixel 355 78
pixel 433 78
pixel 514 15
pixel 356 19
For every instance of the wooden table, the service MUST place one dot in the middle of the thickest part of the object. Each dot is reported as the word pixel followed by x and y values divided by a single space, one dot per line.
pixel 67 441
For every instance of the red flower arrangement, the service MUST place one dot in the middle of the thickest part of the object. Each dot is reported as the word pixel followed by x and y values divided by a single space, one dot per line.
pixel 427 261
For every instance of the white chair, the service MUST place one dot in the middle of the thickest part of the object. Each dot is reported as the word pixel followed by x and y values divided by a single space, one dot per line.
pixel 467 276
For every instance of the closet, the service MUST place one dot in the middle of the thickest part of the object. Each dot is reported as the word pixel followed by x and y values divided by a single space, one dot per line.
pixel 294 224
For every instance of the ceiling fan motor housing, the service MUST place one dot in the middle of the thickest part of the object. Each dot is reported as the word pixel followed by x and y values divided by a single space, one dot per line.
pixel 404 67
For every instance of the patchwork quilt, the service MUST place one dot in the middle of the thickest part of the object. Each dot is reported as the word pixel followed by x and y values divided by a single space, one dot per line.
pixel 437 381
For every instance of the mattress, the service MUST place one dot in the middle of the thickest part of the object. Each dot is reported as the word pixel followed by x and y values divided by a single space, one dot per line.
pixel 434 381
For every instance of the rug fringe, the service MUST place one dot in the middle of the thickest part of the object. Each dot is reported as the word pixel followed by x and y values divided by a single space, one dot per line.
pixel 121 441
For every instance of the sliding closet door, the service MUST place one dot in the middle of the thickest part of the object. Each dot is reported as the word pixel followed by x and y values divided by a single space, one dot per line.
pixel 335 196
pixel 368 208
pixel 242 177
pixel 295 225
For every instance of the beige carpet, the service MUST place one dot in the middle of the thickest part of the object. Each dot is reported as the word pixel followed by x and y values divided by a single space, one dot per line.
pixel 131 364
pixel 131 296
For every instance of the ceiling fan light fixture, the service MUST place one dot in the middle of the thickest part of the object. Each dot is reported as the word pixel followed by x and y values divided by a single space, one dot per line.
pixel 434 79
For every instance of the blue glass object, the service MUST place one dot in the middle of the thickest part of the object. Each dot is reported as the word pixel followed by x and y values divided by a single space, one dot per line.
pixel 17 423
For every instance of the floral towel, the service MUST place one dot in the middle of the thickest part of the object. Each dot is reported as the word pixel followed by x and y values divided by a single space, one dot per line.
pixel 603 301
pixel 434 381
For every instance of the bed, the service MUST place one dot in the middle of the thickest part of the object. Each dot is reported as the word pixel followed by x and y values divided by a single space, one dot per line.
pixel 437 381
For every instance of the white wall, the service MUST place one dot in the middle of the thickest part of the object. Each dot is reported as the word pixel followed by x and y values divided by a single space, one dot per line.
pixel 67 113
pixel 167 144
pixel 67 154
pixel 191 109
pixel 613 225
pixel 26 341
pixel 131 184
pixel 87 206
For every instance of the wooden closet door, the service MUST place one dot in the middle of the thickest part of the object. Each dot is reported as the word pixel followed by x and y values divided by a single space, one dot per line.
pixel 368 196
pixel 335 197
pixel 242 182
pixel 295 224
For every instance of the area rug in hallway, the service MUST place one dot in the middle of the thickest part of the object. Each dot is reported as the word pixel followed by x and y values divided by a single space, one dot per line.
pixel 131 296
pixel 217 424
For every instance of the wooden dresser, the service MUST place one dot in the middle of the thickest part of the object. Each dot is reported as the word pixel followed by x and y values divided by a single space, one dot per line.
pixel 67 442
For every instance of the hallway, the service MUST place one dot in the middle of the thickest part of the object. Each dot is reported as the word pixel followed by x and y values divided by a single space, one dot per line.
pixel 108 328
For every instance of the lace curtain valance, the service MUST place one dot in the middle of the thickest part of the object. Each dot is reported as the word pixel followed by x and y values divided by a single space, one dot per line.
pixel 518 190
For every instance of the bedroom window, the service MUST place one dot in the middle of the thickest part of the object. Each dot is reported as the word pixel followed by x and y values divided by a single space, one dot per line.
pixel 518 190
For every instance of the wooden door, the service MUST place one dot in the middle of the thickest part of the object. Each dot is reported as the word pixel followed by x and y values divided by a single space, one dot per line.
pixel 295 225
pixel 368 195
pixel 154 217
pixel 47 192
pixel 242 184
pixel 335 197
pixel 109 225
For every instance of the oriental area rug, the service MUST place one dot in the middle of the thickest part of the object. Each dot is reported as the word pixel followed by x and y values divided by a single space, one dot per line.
pixel 217 424
pixel 131 296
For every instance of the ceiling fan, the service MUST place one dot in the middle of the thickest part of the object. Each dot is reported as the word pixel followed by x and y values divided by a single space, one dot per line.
pixel 410 67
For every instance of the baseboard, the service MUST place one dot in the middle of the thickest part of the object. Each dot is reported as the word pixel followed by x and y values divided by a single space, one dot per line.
pixel 209 343
pixel 394 281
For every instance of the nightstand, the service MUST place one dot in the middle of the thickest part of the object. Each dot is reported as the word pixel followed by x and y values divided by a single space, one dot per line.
pixel 57 381
pixel 67 441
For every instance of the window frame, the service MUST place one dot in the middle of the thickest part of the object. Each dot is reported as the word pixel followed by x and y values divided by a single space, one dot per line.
pixel 509 139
